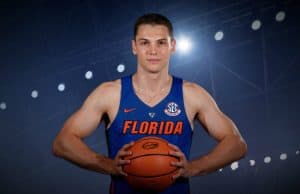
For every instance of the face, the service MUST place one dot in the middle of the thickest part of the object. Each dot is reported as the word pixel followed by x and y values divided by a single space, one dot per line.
pixel 153 47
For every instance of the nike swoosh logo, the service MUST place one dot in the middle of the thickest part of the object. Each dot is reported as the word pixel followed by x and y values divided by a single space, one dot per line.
pixel 129 110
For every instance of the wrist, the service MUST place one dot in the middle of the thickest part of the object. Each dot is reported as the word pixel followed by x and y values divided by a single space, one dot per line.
pixel 191 169
pixel 105 165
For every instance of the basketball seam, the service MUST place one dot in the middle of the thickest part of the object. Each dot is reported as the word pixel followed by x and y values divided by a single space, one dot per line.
pixel 150 155
pixel 153 175
pixel 153 137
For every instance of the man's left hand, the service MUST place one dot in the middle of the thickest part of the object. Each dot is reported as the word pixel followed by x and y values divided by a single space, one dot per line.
pixel 185 168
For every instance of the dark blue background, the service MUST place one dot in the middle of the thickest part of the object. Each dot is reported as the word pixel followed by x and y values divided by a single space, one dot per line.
pixel 253 76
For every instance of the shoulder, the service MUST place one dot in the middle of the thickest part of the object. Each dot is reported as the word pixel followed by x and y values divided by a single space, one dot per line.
pixel 108 88
pixel 195 95
pixel 192 88
pixel 105 93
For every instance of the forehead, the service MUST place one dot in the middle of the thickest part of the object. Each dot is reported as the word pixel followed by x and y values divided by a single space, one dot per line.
pixel 148 31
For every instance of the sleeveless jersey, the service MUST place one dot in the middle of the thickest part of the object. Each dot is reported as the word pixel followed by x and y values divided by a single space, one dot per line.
pixel 135 119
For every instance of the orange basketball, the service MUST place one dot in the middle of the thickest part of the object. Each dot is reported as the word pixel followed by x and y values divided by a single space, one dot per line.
pixel 150 164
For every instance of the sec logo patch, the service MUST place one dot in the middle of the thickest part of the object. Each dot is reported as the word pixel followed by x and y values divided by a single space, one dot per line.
pixel 172 109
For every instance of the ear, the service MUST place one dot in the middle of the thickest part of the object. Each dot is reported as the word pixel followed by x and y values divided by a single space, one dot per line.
pixel 133 45
pixel 173 45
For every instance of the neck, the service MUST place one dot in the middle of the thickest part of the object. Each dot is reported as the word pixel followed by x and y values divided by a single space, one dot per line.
pixel 152 82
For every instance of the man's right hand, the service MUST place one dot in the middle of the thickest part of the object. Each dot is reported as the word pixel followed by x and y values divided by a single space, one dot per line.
pixel 119 161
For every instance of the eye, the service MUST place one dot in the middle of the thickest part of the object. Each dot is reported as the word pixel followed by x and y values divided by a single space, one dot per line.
pixel 162 42
pixel 144 42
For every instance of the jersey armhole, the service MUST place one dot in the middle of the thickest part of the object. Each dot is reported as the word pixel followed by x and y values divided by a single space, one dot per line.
pixel 184 108
pixel 118 109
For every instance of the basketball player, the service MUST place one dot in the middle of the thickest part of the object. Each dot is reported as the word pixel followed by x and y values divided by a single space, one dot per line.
pixel 150 102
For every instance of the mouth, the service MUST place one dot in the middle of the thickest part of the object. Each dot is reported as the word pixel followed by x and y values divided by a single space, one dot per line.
pixel 153 61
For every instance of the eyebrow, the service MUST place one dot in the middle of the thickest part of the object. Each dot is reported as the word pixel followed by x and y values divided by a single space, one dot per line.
pixel 142 39
pixel 145 39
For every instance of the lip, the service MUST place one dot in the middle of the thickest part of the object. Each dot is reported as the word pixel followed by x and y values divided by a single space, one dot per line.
pixel 153 60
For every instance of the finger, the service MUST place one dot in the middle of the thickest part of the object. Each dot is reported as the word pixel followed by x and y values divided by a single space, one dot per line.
pixel 122 153
pixel 122 162
pixel 128 145
pixel 174 147
pixel 122 172
pixel 175 153
pixel 177 175
pixel 179 155
pixel 178 164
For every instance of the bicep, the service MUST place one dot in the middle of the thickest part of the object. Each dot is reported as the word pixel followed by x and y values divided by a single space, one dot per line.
pixel 217 124
pixel 84 121
pixel 213 119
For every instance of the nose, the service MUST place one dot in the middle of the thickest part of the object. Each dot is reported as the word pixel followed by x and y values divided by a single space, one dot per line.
pixel 152 49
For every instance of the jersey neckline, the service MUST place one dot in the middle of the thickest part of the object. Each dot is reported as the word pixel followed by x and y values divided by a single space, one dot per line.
pixel 159 102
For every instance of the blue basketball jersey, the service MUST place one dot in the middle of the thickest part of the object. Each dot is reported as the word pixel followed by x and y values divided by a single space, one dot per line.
pixel 135 119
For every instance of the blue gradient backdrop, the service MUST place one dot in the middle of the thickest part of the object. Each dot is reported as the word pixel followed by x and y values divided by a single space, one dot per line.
pixel 253 76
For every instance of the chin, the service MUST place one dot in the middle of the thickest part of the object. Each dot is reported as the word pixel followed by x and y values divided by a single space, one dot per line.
pixel 154 72
pixel 156 68
pixel 153 68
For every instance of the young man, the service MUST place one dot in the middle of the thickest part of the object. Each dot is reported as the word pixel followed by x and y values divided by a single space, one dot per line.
pixel 141 104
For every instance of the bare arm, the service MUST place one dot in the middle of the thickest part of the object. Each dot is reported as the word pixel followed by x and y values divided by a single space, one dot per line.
pixel 230 147
pixel 69 143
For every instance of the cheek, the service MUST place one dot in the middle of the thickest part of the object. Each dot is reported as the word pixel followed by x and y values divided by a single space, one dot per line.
pixel 139 53
pixel 142 52
pixel 166 53
pixel 143 55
